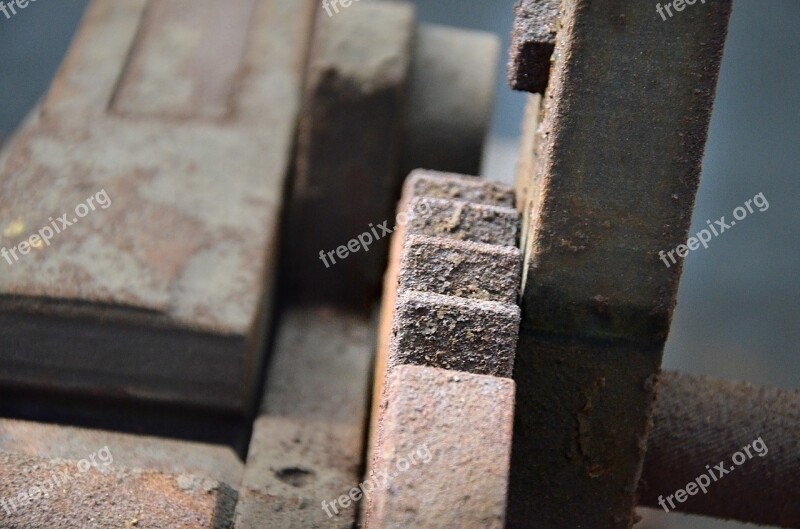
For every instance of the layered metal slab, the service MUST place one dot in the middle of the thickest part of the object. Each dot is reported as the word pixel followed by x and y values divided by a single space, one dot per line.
pixel 155 285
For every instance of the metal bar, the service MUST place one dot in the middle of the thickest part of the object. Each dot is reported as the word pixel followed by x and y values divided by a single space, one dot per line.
pixel 619 149
pixel 700 422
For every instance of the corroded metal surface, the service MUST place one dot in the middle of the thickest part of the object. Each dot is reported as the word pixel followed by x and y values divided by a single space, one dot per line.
pixel 532 44
pixel 447 188
pixel 700 422
pixel 619 149
pixel 133 451
pixel 470 270
pixel 308 444
pixel 162 295
pixel 456 333
pixel 349 144
pixel 65 494
pixel 449 324
pixel 464 221
pixel 458 425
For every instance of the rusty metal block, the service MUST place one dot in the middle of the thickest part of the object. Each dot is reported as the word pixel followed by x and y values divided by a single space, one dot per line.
pixel 294 465
pixel 350 139
pixel 619 153
pixel 461 334
pixel 458 425
pixel 163 295
pixel 41 493
pixel 532 44
pixel 436 184
pixel 307 445
pixel 439 185
pixel 133 451
pixel 464 221
pixel 486 272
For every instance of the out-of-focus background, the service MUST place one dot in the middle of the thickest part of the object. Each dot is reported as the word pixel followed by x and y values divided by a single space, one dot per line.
pixel 738 312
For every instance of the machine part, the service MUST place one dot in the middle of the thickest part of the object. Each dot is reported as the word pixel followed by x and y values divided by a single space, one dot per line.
pixel 350 139
pixel 455 333
pixel 619 152
pixel 470 270
pixel 443 451
pixel 133 451
pixel 54 493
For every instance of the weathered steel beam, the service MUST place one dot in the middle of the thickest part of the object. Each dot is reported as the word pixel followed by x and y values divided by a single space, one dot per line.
pixel 619 149
pixel 700 422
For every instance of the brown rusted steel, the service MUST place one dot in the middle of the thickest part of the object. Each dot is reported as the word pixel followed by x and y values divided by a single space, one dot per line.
pixel 449 303
pixel 349 147
pixel 164 296
pixel 37 493
pixel 618 154
pixel 456 428
pixel 701 422
pixel 133 451
pixel 308 442
pixel 532 43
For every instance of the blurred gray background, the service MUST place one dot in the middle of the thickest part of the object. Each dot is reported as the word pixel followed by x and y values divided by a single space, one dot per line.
pixel 739 304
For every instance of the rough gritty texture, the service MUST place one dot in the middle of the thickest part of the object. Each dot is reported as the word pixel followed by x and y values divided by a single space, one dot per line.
pixel 436 184
pixel 464 421
pixel 702 421
pixel 109 497
pixel 450 99
pixel 182 258
pixel 471 270
pixel 532 44
pixel 465 221
pixel 132 451
pixel 308 444
pixel 454 333
pixel 623 128
pixel 433 184
pixel 294 465
pixel 349 143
